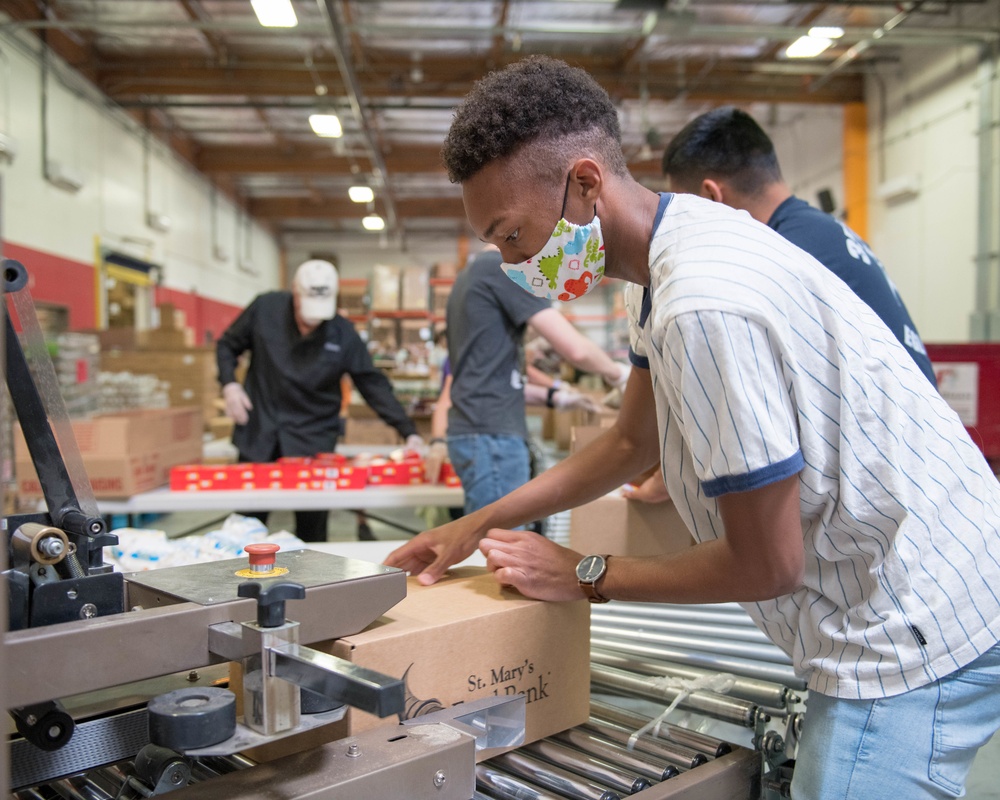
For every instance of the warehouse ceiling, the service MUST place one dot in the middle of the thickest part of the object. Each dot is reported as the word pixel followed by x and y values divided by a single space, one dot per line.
pixel 234 98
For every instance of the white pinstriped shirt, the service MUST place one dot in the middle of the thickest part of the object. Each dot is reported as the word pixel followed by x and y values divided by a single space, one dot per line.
pixel 766 365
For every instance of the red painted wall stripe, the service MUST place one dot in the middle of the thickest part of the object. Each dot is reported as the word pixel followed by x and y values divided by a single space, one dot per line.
pixel 209 318
pixel 62 281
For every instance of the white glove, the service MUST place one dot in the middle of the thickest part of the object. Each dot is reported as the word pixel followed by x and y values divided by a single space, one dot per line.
pixel 415 442
pixel 238 404
pixel 571 398
pixel 626 370
pixel 437 454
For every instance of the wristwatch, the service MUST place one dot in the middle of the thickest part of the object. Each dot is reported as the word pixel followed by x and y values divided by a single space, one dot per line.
pixel 588 572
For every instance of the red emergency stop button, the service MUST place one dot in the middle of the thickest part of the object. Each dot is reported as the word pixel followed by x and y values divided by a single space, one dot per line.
pixel 262 556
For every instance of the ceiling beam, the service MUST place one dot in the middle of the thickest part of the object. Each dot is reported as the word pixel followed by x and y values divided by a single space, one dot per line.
pixel 311 160
pixel 736 80
pixel 69 45
pixel 284 208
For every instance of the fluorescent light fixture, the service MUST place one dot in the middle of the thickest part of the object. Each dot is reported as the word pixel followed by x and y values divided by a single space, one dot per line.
pixel 807 47
pixel 275 13
pixel 326 125
pixel 361 194
pixel 822 32
pixel 373 222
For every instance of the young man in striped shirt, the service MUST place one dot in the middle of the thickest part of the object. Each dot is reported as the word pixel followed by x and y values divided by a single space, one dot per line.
pixel 829 488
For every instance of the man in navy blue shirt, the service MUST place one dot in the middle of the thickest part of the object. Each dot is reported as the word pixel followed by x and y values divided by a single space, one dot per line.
pixel 725 156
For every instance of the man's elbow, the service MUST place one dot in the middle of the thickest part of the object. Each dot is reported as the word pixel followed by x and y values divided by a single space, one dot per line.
pixel 576 353
pixel 781 575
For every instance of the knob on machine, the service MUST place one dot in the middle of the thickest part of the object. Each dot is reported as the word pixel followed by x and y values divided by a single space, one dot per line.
pixel 263 561
pixel 191 718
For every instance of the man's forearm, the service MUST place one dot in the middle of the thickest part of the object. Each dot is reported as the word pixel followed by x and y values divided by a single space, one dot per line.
pixel 603 465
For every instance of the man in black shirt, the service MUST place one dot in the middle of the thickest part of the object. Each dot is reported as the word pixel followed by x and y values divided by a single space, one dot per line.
pixel 300 350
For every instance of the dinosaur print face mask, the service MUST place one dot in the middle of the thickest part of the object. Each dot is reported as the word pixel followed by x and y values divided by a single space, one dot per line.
pixel 569 265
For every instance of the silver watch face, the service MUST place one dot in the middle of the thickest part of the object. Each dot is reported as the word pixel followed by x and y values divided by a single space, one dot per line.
pixel 590 568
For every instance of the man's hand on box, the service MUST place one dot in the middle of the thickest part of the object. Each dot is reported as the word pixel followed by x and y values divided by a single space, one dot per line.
pixel 571 398
pixel 429 554
pixel 651 490
pixel 415 444
pixel 238 405
pixel 434 460
pixel 535 566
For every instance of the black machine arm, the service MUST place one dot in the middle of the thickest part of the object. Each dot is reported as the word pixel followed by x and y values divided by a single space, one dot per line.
pixel 37 591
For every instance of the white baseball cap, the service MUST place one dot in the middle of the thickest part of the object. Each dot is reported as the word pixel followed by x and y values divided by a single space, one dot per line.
pixel 316 286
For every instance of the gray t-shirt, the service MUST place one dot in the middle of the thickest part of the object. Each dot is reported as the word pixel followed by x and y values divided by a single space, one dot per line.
pixel 487 315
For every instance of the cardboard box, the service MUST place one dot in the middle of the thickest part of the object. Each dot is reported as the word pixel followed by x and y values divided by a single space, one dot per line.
pixel 352 300
pixel 412 332
pixel 116 338
pixel 384 333
pixel 165 339
pixel 414 289
pixel 582 435
pixel 124 454
pixel 440 292
pixel 463 639
pixel 220 427
pixel 370 431
pixel 615 526
pixel 445 270
pixel 466 638
pixel 192 374
pixel 385 288
pixel 564 420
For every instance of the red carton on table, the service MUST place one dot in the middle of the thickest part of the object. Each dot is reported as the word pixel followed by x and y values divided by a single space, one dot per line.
pixel 397 473
pixel 448 476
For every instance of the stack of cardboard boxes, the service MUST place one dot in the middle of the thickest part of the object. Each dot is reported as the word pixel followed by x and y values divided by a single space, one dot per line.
pixel 123 454
pixel 167 353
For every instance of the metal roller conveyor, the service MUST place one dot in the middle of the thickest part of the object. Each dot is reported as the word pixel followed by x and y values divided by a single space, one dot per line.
pixel 508 787
pixel 593 765
pixel 713 705
pixel 65 788
pixel 699 742
pixel 556 779
pixel 742 633
pixel 763 693
pixel 777 673
pixel 644 764
pixel 671 753
pixel 722 614
pixel 120 780
pixel 750 650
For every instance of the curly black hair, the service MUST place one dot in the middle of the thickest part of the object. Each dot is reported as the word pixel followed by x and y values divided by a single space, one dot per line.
pixel 535 100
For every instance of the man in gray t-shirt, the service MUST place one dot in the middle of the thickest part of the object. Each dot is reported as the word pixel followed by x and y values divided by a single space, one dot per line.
pixel 487 435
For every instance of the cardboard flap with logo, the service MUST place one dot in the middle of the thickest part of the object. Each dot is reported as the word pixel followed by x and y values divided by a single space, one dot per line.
pixel 466 638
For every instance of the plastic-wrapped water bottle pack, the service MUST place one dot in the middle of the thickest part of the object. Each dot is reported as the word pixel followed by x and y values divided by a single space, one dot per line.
pixel 141 549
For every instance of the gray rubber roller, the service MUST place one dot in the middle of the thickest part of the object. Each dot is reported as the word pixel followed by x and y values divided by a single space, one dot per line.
pixel 187 719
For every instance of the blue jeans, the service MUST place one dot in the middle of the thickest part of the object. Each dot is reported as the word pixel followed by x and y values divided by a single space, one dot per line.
pixel 488 466
pixel 914 746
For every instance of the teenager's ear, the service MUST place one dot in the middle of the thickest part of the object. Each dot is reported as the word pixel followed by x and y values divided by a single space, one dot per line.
pixel 711 190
